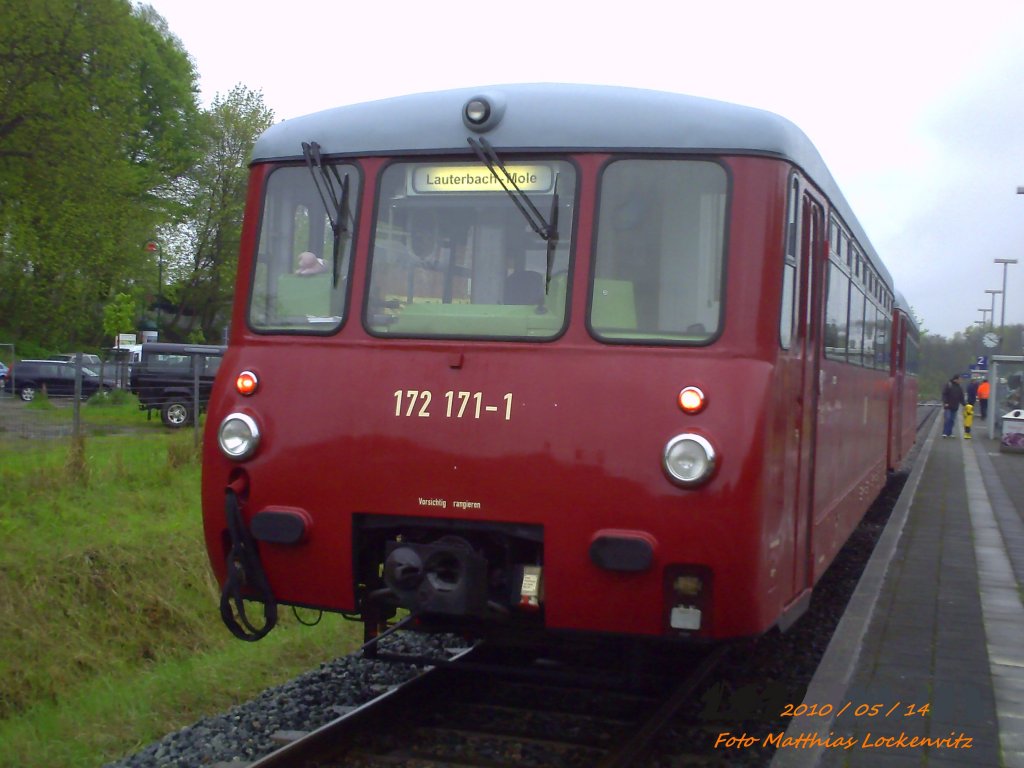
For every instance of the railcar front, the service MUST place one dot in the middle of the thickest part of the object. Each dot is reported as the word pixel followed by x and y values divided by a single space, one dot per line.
pixel 510 370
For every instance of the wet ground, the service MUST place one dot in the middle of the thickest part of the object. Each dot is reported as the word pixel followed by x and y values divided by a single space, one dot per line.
pixel 20 421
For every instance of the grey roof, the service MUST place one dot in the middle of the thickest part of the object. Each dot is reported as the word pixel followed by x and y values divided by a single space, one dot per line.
pixel 559 117
pixel 904 306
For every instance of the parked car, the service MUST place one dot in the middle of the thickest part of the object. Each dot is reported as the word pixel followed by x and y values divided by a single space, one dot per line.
pixel 56 377
pixel 3 374
pixel 164 379
pixel 87 359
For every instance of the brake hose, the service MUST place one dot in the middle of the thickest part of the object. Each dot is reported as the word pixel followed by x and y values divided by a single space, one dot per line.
pixel 244 570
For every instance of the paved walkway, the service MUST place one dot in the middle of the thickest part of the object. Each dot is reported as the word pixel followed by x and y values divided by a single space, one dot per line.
pixel 927 666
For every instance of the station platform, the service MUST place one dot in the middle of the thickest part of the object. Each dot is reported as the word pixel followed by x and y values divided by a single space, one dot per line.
pixel 926 667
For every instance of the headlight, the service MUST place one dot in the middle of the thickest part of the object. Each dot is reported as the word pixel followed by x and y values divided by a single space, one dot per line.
pixel 238 436
pixel 689 460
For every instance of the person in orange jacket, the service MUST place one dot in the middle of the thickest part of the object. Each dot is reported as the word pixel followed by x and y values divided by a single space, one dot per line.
pixel 983 390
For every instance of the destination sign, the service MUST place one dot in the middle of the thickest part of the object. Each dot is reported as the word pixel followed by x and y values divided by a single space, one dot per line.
pixel 478 178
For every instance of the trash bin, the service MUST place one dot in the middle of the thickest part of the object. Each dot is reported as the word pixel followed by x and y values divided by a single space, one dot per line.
pixel 1013 432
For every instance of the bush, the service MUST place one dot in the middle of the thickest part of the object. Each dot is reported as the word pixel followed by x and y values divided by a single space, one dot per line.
pixel 41 401
pixel 117 397
pixel 183 450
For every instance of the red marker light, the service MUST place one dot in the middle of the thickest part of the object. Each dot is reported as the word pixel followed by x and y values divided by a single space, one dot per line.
pixel 692 400
pixel 246 383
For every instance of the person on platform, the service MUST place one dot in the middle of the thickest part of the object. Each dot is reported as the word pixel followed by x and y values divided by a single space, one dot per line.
pixel 968 420
pixel 952 399
pixel 972 391
pixel 983 390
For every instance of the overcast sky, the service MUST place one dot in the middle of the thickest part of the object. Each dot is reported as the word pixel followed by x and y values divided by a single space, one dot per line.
pixel 917 107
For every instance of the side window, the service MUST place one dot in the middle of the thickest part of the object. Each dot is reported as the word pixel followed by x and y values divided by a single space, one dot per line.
pixel 883 341
pixel 855 344
pixel 170 363
pixel 659 252
pixel 836 312
pixel 212 365
pixel 296 285
pixel 870 326
pixel 789 267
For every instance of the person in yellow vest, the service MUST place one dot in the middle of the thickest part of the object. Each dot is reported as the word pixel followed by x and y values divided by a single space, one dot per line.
pixel 968 420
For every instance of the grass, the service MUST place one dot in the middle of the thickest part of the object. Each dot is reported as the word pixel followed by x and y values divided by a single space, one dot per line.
pixel 112 412
pixel 110 635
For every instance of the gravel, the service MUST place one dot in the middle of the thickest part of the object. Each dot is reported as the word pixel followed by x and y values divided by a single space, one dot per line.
pixel 245 733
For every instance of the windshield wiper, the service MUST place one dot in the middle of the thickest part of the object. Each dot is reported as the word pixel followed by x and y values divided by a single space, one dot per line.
pixel 546 229
pixel 553 240
pixel 336 189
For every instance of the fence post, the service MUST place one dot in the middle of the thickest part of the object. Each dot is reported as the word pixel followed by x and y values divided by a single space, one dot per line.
pixel 199 361
pixel 76 399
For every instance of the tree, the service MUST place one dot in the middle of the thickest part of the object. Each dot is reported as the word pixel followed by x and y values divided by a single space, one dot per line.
pixel 204 247
pixel 98 116
pixel 119 315
pixel 942 357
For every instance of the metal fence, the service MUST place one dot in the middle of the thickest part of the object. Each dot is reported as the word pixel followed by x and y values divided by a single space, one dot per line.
pixel 69 411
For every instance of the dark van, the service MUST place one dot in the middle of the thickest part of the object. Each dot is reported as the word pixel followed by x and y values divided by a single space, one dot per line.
pixel 56 378
pixel 164 379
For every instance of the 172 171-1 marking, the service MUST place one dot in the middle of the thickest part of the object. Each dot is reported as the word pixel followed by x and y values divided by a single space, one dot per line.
pixel 416 403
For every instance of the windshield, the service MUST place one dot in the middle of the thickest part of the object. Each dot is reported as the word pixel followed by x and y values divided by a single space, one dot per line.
pixel 660 249
pixel 454 256
pixel 294 286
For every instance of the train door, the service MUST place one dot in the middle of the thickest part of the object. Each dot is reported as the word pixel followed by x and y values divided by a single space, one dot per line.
pixel 895 448
pixel 805 268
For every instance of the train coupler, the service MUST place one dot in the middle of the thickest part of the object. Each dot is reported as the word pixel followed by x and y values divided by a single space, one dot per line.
pixel 446 576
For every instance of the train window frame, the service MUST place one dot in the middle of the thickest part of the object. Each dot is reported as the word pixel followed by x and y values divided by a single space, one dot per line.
pixel 379 317
pixel 317 307
pixel 883 342
pixel 838 278
pixel 873 350
pixel 604 297
pixel 790 262
pixel 855 326
pixel 870 332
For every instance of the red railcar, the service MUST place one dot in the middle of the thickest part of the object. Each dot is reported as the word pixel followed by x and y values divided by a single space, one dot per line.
pixel 574 358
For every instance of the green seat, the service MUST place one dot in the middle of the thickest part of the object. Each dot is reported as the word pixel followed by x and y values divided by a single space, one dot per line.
pixel 302 295
pixel 614 305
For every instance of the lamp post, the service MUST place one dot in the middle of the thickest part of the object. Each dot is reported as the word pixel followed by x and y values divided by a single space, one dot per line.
pixel 992 316
pixel 984 312
pixel 1002 317
pixel 154 247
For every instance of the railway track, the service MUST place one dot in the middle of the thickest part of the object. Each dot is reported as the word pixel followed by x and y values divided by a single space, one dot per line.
pixel 925 413
pixel 494 707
